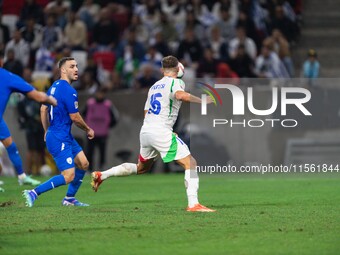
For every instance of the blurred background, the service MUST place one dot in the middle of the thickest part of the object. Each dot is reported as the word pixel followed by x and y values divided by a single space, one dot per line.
pixel 119 45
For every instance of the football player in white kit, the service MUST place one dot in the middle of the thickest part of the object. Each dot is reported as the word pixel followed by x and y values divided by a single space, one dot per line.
pixel 157 138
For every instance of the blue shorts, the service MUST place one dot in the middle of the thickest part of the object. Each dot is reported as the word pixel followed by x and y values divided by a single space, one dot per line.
pixel 4 131
pixel 63 152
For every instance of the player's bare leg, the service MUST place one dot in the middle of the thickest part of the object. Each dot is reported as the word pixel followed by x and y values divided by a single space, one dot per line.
pixel 191 182
pixel 124 169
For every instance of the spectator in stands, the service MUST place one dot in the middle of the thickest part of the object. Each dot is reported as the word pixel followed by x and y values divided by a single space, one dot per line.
pixel 4 35
pixel 160 44
pixel 65 52
pixel 281 47
pixel 105 32
pixel 126 67
pixel 269 65
pixel 52 35
pixel 131 41
pixel 224 72
pixel 242 63
pixel 55 73
pixel 218 44
pixel 75 33
pixel 230 5
pixel 202 12
pixel 226 24
pixel 12 64
pixel 207 67
pixel 59 9
pixel 311 67
pixel 150 14
pixel 92 67
pixel 147 78
pixel 290 13
pixel 249 25
pixel 44 60
pixel 168 30
pixel 175 11
pixel 29 119
pixel 31 10
pixel 120 15
pixel 20 47
pixel 192 23
pixel 153 57
pixel 101 115
pixel 32 34
pixel 189 50
pixel 241 37
pixel 284 24
pixel 88 83
pixel 88 13
pixel 142 33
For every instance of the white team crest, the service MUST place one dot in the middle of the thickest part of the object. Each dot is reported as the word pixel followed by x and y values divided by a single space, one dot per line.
pixel 76 104
pixel 62 147
pixel 69 160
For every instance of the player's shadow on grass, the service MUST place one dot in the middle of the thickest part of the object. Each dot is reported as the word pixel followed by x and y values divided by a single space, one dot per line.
pixel 138 201
pixel 230 206
pixel 71 230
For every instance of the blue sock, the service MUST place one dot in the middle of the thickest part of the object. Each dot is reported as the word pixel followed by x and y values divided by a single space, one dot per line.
pixel 52 183
pixel 75 184
pixel 13 154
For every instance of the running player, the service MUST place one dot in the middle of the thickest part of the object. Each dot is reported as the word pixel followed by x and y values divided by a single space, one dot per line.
pixel 66 152
pixel 156 136
pixel 10 83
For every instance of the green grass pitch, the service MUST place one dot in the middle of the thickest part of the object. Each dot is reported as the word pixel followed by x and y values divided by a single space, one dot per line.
pixel 272 214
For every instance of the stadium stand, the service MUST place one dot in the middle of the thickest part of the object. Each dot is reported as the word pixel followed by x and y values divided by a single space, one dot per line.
pixel 257 18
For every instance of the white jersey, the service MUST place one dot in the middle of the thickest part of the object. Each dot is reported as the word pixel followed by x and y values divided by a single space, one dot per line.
pixel 162 105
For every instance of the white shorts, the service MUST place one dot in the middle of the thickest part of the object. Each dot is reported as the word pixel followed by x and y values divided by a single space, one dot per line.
pixel 165 143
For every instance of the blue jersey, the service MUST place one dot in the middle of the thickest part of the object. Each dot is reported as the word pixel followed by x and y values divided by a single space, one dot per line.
pixel 60 121
pixel 10 83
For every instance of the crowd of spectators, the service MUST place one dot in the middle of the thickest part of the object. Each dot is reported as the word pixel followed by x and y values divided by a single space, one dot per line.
pixel 119 44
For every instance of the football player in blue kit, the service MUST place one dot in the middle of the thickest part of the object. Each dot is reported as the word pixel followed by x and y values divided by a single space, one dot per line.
pixel 57 122
pixel 10 83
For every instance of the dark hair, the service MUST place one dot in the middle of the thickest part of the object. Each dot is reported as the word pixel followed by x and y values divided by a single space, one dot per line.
pixel 312 53
pixel 169 62
pixel 241 26
pixel 241 46
pixel 64 60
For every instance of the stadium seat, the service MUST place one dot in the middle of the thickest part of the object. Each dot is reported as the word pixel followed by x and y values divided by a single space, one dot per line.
pixel 41 80
pixel 10 20
pixel 12 7
pixel 42 3
pixel 81 58
pixel 105 58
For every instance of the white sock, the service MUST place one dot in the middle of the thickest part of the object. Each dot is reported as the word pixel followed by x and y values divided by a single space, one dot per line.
pixel 191 181
pixel 121 170
pixel 22 176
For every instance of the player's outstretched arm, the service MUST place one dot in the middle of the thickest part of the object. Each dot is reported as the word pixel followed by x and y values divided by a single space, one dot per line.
pixel 42 97
pixel 79 122
pixel 187 97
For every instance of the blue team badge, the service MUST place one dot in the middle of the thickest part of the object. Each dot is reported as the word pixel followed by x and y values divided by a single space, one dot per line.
pixel 69 160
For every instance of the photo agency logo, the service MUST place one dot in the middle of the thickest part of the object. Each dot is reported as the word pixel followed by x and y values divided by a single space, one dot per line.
pixel 294 96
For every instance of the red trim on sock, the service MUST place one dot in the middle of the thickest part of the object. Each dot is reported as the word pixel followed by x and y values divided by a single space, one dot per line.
pixel 141 159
